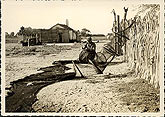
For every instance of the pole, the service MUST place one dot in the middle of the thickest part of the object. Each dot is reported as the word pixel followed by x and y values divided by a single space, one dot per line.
pixel 96 67
pixel 118 37
pixel 116 40
pixel 78 69
pixel 125 43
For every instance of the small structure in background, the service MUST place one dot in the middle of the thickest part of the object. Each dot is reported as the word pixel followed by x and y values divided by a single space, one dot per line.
pixel 59 33
pixel 98 37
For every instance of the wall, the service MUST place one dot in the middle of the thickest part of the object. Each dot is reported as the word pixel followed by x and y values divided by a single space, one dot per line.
pixel 143 48
pixel 54 35
pixel 44 36
pixel 65 36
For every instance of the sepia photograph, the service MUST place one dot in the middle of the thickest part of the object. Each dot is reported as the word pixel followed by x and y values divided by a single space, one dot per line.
pixel 74 57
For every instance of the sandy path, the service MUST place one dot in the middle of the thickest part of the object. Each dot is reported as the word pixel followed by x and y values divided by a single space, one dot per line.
pixel 118 92
pixel 80 96
pixel 95 94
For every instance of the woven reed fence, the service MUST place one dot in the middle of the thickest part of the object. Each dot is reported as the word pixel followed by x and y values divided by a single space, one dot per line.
pixel 143 48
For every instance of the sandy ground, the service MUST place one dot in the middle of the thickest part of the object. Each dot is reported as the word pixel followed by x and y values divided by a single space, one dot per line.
pixel 19 65
pixel 18 68
pixel 117 90
pixel 94 94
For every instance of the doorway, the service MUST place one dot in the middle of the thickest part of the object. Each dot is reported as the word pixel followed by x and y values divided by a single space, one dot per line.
pixel 60 37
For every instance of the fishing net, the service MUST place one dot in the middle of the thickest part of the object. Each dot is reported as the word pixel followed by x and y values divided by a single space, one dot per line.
pixel 105 55
pixel 100 58
pixel 85 56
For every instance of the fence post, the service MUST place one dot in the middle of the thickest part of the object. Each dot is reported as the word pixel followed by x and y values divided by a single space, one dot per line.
pixel 125 44
pixel 115 28
pixel 28 42
pixel 118 37
pixel 124 40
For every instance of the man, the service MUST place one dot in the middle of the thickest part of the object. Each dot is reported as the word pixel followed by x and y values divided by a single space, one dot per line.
pixel 88 52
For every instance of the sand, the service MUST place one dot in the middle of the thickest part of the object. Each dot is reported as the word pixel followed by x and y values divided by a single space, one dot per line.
pixel 113 93
pixel 117 90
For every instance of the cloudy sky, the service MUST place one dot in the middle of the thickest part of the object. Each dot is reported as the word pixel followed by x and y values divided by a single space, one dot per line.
pixel 94 15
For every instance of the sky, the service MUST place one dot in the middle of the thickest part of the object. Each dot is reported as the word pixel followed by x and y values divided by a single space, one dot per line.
pixel 94 15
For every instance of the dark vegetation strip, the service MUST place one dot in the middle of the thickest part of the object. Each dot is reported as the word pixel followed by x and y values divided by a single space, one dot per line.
pixel 23 91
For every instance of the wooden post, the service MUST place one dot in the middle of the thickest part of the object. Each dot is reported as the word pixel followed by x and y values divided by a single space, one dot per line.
pixel 121 37
pixel 78 69
pixel 41 37
pixel 96 67
pixel 118 37
pixel 125 44
pixel 115 28
pixel 28 41
pixel 36 35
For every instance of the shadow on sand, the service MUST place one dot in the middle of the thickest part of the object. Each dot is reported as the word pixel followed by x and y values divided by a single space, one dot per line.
pixel 23 92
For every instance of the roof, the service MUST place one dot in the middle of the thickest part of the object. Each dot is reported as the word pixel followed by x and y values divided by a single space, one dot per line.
pixel 62 25
pixel 39 30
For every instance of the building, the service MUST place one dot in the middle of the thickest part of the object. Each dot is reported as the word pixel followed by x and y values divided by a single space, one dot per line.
pixel 59 33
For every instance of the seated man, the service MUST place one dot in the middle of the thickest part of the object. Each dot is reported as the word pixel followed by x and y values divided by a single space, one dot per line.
pixel 88 52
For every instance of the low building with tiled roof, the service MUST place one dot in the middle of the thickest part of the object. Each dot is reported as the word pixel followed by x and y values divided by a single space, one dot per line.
pixel 59 33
